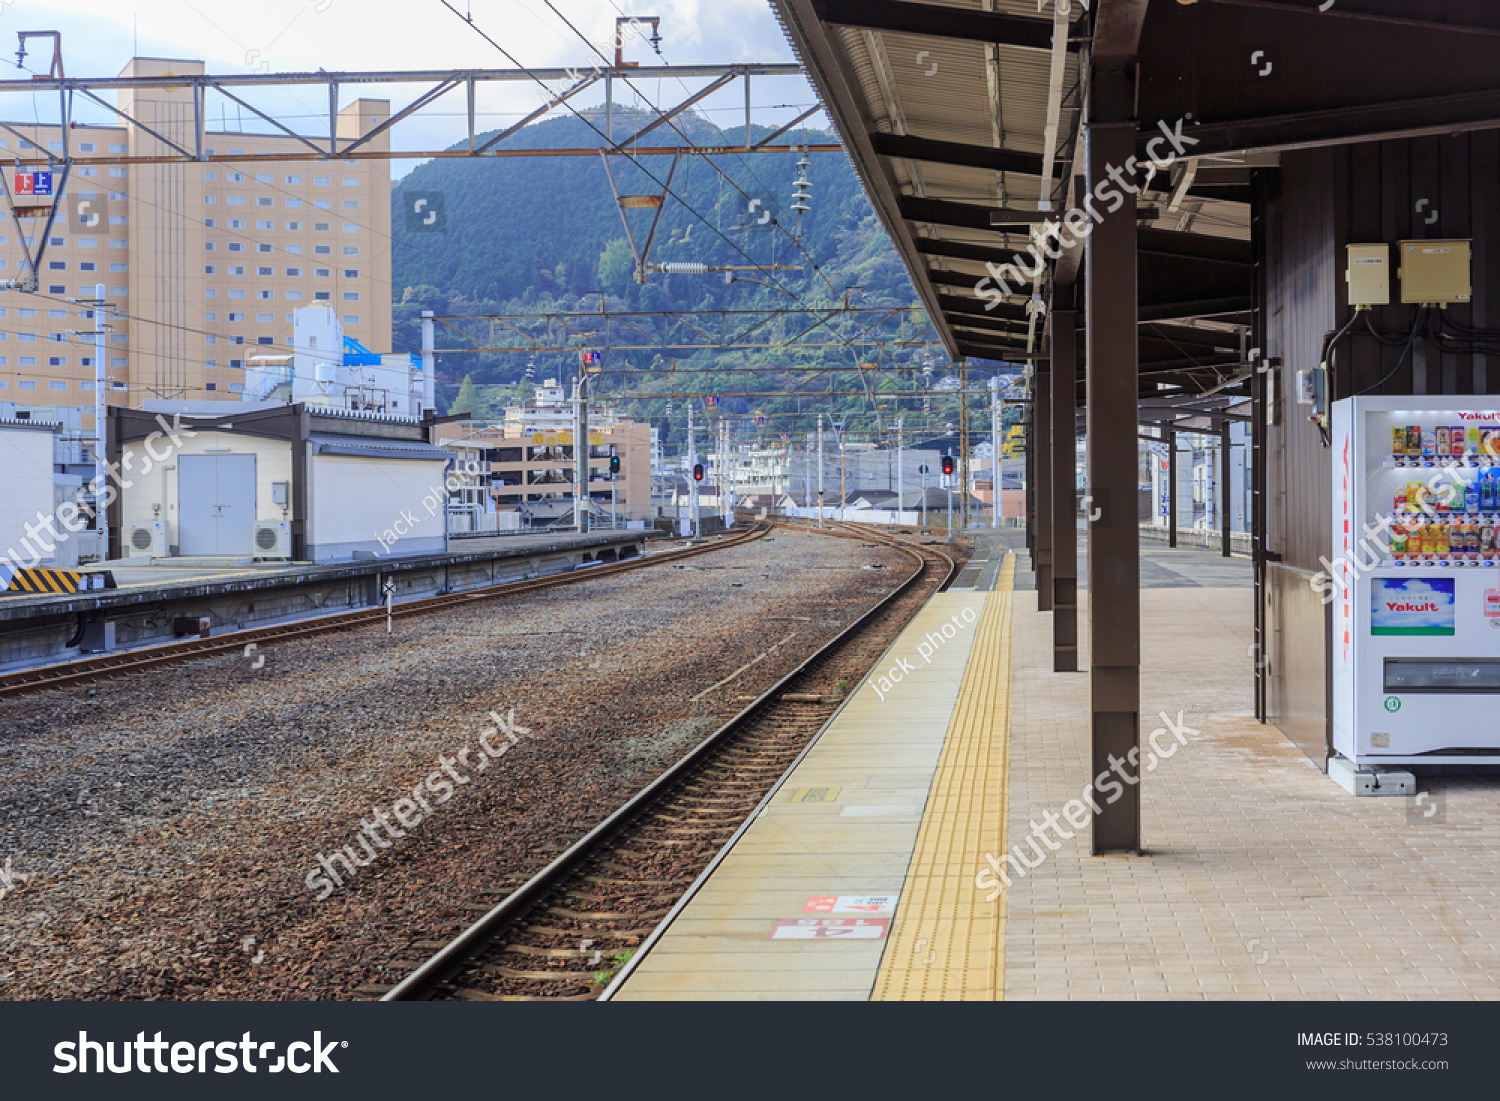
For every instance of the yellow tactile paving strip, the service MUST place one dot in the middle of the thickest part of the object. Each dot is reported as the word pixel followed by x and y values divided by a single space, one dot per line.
pixel 947 942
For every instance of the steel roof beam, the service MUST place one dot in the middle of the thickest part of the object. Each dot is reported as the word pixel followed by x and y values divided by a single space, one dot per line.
pixel 940 22
pixel 951 152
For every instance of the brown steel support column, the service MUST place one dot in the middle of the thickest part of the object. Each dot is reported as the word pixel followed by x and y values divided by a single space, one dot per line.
pixel 1041 420
pixel 1114 538
pixel 1171 487
pixel 1064 329
pixel 1226 521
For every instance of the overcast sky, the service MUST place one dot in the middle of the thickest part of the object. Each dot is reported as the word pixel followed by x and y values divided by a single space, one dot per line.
pixel 100 36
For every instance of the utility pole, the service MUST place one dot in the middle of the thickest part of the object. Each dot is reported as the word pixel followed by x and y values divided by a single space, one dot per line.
pixel 963 448
pixel 101 422
pixel 843 485
pixel 900 472
pixel 580 453
pixel 820 471
pixel 924 500
pixel 995 452
pixel 692 462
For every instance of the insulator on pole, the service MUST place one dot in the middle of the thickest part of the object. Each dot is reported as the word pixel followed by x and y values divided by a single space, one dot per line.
pixel 678 267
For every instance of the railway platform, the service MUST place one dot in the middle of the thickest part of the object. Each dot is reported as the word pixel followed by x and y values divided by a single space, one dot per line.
pixel 869 873
pixel 153 595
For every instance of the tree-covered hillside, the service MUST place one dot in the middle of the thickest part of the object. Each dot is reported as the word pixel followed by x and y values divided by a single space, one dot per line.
pixel 529 234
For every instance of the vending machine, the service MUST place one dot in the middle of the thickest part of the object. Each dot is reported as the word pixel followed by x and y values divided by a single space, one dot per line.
pixel 1414 578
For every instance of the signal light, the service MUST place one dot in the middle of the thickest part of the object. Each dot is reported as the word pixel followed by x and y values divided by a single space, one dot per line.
pixel 698 472
pixel 947 464
pixel 614 464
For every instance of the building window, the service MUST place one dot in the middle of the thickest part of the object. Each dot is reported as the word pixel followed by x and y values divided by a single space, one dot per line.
pixel 350 227
pixel 351 319
pixel 264 223
pixel 351 250
pixel 265 271
pixel 85 147
pixel 236 387
pixel 25 385
pixel 210 339
pixel 57 242
pixel 26 338
pixel 209 222
pixel 351 296
pixel 236 200
pixel 118 267
pixel 213 363
pixel 118 172
pixel 236 294
pixel 294 179
pixel 210 385
pixel 322 250
pixel 322 181
pixel 236 246
pixel 235 177
pixel 89 383
pixel 88 242
pixel 265 340
pixel 118 220
pixel 321 296
pixel 57 265
pixel 351 204
pixel 296 249
pixel 236 269
pixel 236 363
pixel 208 269
pixel 265 319
pixel 54 384
pixel 322 273
pixel 265 200
pixel 210 200
pixel 294 226
pixel 211 316
pixel 117 149
pixel 236 223
pixel 87 171
pixel 323 204
pixel 321 227
pixel 119 290
pixel 264 177
pixel 351 273
pixel 118 242
pixel 295 273
pixel 56 288
pixel 294 296
pixel 265 296
pixel 236 317
pixel 264 248
pixel 87 265
pixel 25 312
pixel 209 246
pixel 209 176
pixel 294 202
pixel 350 181
pixel 117 196
pixel 119 361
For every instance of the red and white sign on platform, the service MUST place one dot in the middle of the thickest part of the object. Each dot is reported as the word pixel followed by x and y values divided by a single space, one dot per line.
pixel 830 928
pixel 851 904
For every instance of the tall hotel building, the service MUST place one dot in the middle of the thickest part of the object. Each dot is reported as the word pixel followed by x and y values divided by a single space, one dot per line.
pixel 203 263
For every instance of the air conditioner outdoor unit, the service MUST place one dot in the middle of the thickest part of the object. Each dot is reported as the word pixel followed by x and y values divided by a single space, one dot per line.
pixel 273 539
pixel 146 540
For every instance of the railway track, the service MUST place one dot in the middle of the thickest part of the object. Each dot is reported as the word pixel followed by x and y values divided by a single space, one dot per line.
pixel 86 670
pixel 560 935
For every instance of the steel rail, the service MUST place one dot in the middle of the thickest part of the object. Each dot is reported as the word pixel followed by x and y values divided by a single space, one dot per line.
pixel 453 957
pixel 93 669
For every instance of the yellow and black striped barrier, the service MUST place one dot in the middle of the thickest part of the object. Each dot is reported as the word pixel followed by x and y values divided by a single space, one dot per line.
pixel 42 580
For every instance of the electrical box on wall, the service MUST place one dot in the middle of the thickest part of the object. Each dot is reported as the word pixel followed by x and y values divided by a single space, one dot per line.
pixel 1435 273
pixel 1369 275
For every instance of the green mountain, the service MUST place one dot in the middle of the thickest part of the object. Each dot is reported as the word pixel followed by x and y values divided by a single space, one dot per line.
pixel 528 234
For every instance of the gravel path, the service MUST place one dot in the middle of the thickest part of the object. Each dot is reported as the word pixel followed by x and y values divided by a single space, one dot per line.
pixel 169 825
